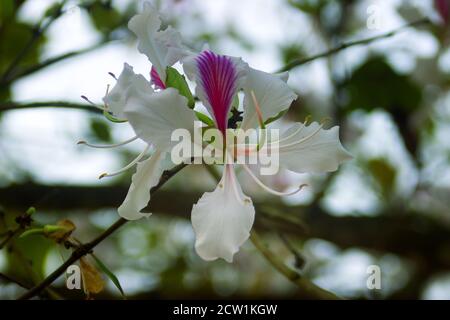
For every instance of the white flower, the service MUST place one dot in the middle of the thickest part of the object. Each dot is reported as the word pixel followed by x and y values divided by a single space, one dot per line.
pixel 222 219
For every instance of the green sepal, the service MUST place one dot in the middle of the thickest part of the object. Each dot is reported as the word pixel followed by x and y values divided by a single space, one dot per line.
pixel 175 80
pixel 111 118
pixel 205 119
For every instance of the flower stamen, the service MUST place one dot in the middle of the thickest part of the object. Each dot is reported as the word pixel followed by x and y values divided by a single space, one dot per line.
pixel 303 139
pixel 127 167
pixel 107 146
pixel 268 189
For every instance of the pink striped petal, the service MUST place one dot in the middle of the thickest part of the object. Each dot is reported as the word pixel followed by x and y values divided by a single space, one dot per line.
pixel 218 78
pixel 156 79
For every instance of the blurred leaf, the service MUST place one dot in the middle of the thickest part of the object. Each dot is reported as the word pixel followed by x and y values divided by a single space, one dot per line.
pixel 292 52
pixel 6 10
pixel 308 6
pixel 109 273
pixel 101 130
pixel 176 80
pixel 14 38
pixel 92 279
pixel 376 85
pixel 34 250
pixel 53 11
pixel 384 174
pixel 105 17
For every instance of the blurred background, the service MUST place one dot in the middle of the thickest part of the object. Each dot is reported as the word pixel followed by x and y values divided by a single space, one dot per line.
pixel 389 206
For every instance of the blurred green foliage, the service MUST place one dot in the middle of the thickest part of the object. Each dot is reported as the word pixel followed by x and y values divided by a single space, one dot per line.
pixel 375 84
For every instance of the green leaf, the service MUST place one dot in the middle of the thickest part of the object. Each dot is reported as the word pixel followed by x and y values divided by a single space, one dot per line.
pixel 205 119
pixel 110 274
pixel 384 174
pixel 308 6
pixel 53 11
pixel 101 130
pixel 6 9
pixel 375 84
pixel 104 16
pixel 18 34
pixel 175 80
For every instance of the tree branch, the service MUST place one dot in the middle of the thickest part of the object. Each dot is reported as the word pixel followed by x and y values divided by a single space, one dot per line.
pixel 46 63
pixel 46 104
pixel 87 248
pixel 299 62
pixel 308 288
pixel 38 31
pixel 393 230
pixel 7 278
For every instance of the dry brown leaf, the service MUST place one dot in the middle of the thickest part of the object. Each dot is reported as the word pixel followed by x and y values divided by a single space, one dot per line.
pixel 92 278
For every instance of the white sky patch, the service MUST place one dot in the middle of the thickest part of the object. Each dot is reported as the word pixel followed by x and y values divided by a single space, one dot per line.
pixel 350 194
pixel 43 142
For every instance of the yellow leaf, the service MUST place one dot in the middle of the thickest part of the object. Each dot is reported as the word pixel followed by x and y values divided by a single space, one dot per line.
pixel 92 279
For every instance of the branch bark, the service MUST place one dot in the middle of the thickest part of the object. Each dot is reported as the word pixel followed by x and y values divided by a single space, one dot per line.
pixel 47 104
pixel 346 45
pixel 308 288
pixel 88 247
pixel 46 63
pixel 404 233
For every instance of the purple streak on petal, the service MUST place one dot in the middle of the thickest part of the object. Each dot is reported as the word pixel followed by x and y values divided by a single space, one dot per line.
pixel 156 80
pixel 443 8
pixel 218 77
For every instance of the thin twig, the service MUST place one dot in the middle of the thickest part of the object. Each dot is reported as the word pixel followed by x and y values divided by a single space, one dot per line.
pixel 299 258
pixel 38 31
pixel 46 63
pixel 299 62
pixel 13 280
pixel 46 104
pixel 11 234
pixel 307 287
pixel 289 66
pixel 28 268
pixel 87 248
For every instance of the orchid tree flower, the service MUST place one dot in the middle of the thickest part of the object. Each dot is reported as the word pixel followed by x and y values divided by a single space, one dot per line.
pixel 222 219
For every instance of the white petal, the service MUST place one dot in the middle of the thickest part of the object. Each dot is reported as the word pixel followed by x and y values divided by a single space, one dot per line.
pixel 272 94
pixel 128 83
pixel 163 48
pixel 147 176
pixel 222 219
pixel 311 149
pixel 155 116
